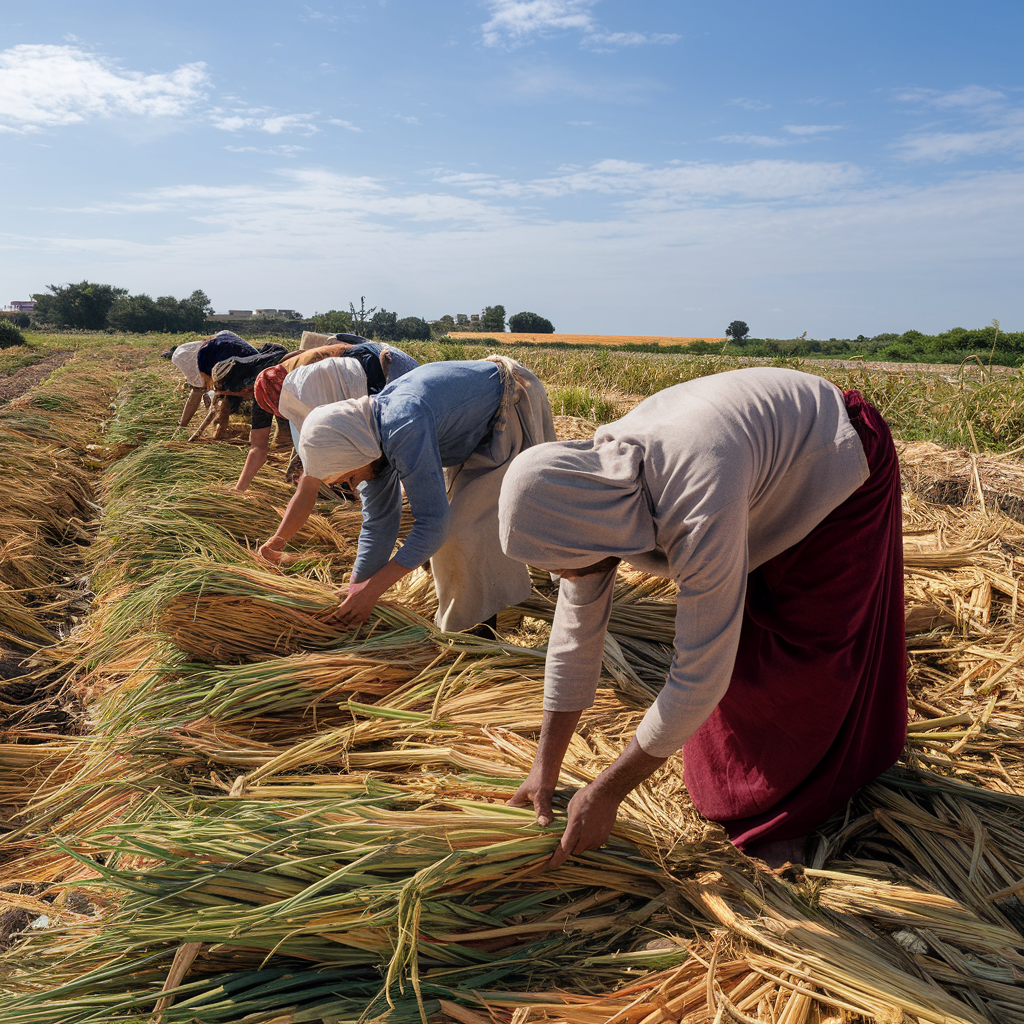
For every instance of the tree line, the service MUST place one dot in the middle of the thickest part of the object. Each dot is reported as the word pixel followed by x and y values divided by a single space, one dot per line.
pixel 89 306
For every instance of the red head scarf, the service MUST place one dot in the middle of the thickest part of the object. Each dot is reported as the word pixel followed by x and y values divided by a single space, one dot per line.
pixel 267 389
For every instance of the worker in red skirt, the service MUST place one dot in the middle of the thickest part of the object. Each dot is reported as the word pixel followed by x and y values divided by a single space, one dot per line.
pixel 772 499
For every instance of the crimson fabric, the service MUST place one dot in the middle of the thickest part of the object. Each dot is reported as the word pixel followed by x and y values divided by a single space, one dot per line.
pixel 267 389
pixel 817 704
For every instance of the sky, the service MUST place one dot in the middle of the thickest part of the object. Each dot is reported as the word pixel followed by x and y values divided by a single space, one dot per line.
pixel 652 167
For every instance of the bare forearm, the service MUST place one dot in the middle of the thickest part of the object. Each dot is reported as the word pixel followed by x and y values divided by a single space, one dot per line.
pixel 191 404
pixel 628 770
pixel 383 579
pixel 556 732
pixel 298 510
pixel 256 458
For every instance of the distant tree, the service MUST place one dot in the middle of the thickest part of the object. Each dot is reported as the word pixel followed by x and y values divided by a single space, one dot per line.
pixel 384 326
pixel 194 311
pixel 444 325
pixel 362 316
pixel 493 318
pixel 9 333
pixel 461 320
pixel 412 328
pixel 530 323
pixel 135 314
pixel 737 330
pixel 22 320
pixel 83 306
pixel 165 315
pixel 334 321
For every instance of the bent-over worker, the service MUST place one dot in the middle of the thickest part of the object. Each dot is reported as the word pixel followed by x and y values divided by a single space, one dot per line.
pixel 772 499
pixel 196 359
pixel 446 432
pixel 304 380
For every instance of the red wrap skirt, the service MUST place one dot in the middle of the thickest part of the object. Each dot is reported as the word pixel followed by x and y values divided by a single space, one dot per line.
pixel 817 704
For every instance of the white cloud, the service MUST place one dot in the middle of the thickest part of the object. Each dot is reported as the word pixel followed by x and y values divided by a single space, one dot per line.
pixel 980 121
pixel 283 150
pixel 43 86
pixel 753 140
pixel 256 121
pixel 968 96
pixel 748 104
pixel 343 124
pixel 811 129
pixel 514 22
pixel 673 185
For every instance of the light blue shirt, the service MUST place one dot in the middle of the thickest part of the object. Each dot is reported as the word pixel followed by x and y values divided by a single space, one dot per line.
pixel 434 416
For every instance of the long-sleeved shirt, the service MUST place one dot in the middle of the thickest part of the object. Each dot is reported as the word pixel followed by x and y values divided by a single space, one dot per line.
pixel 432 417
pixel 737 467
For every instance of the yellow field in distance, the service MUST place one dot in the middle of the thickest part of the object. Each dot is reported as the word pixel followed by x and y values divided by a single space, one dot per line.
pixel 578 339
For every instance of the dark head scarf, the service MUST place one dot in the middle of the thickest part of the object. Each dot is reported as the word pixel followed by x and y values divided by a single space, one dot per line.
pixel 240 372
pixel 223 345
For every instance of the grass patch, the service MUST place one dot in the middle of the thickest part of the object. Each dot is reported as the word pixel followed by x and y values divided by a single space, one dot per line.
pixel 582 402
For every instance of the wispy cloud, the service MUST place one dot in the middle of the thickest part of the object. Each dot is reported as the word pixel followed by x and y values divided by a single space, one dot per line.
pixel 514 22
pixel 811 129
pixel 753 140
pixel 259 121
pixel 980 121
pixel 749 104
pixel 283 150
pixel 43 86
pixel 674 184
pixel 338 123
pixel 970 96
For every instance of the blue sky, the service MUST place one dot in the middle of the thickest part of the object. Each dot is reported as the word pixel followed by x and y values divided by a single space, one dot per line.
pixel 632 168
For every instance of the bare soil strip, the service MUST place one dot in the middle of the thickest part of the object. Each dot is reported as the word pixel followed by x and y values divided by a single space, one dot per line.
pixel 12 385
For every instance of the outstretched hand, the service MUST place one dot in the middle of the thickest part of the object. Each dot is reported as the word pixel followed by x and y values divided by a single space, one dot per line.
pixel 357 604
pixel 591 815
pixel 535 792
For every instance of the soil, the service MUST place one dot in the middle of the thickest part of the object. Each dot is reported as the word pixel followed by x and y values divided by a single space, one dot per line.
pixel 14 384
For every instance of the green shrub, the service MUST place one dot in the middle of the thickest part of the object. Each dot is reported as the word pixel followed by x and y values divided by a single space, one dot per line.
pixel 9 334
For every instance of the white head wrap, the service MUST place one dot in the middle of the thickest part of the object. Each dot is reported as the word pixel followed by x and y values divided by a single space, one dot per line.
pixel 186 358
pixel 324 383
pixel 568 504
pixel 339 438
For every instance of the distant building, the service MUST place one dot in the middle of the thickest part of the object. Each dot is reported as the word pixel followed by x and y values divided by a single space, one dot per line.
pixel 239 313
pixel 23 307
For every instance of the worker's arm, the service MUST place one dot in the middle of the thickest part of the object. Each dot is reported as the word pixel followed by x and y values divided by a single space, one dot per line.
pixel 259 442
pixel 362 595
pixel 191 404
pixel 593 809
pixel 556 730
pixel 295 515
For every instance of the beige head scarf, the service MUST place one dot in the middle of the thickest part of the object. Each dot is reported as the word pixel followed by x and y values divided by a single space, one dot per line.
pixel 339 438
pixel 567 504
pixel 323 383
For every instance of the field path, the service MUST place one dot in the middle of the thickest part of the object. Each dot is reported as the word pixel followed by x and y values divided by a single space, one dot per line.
pixel 17 383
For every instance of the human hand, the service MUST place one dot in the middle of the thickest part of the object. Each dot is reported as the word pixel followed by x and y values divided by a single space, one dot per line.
pixel 270 551
pixel 592 814
pixel 358 602
pixel 538 791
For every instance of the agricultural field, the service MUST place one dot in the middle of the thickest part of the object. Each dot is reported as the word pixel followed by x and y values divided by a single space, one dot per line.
pixel 216 807
pixel 611 340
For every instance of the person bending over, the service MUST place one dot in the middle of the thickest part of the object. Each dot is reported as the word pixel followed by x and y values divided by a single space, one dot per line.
pixel 446 433
pixel 772 499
